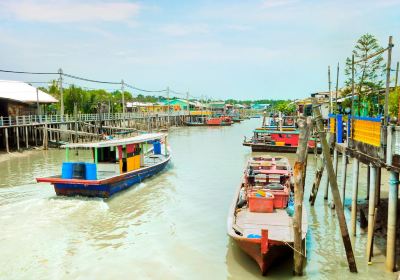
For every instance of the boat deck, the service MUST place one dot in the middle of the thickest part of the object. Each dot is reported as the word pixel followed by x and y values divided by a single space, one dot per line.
pixel 278 223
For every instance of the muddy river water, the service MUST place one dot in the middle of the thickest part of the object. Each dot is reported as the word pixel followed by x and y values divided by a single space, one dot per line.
pixel 172 226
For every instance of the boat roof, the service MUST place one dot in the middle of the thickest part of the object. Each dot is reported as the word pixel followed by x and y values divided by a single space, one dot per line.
pixel 117 142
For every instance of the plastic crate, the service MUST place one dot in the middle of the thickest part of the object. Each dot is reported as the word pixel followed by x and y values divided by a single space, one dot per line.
pixel 261 204
pixel 280 199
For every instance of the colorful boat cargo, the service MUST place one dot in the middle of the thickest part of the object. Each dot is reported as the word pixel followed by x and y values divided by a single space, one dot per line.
pixel 260 217
pixel 116 165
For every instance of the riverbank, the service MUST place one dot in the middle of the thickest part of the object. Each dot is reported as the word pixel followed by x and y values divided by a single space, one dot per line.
pixel 4 156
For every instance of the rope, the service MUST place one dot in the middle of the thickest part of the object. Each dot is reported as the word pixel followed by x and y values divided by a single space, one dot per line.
pixel 294 249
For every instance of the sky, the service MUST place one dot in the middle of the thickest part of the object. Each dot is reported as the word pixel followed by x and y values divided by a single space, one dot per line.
pixel 265 49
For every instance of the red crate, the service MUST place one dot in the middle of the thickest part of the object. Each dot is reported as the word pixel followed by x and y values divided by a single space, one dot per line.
pixel 281 198
pixel 261 204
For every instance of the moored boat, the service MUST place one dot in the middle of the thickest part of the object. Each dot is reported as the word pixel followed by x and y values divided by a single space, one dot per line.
pixel 264 140
pixel 194 123
pixel 219 121
pixel 260 217
pixel 117 165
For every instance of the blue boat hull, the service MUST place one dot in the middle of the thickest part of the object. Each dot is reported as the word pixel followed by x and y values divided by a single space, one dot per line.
pixel 110 188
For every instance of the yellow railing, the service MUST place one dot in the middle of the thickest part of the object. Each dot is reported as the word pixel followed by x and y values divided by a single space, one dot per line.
pixel 367 131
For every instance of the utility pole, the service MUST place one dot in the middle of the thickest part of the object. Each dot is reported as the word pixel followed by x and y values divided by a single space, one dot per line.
pixel 37 101
pixel 352 100
pixel 168 106
pixel 123 97
pixel 61 92
pixel 395 88
pixel 187 103
pixel 330 93
pixel 337 87
pixel 388 65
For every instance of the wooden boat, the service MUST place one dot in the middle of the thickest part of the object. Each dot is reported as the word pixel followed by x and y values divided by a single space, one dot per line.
pixel 193 123
pixel 117 165
pixel 219 121
pixel 264 140
pixel 259 219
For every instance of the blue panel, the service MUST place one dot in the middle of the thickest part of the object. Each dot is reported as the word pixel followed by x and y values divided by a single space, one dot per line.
pixel 66 172
pixel 91 171
pixel 339 128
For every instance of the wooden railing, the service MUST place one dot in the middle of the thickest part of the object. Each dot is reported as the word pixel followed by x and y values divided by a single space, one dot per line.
pixel 37 119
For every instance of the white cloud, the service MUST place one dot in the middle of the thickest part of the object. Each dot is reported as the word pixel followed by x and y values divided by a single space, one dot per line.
pixel 184 30
pixel 70 11
pixel 277 3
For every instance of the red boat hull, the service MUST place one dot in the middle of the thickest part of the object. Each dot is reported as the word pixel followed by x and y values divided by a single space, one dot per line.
pixel 276 250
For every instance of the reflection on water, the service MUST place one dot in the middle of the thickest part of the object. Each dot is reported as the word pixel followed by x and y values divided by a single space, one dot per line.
pixel 171 226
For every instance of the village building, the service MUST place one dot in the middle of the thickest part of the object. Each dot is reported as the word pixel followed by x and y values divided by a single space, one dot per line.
pixel 19 98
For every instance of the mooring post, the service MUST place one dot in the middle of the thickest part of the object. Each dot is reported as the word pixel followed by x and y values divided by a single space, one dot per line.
pixel 45 141
pixel 378 186
pixel 368 181
pixel 26 137
pixel 356 166
pixel 371 209
pixel 317 180
pixel 335 190
pixel 299 179
pixel 392 220
pixel 344 174
pixel 6 136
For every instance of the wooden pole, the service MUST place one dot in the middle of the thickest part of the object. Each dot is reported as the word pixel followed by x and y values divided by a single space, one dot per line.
pixel 330 92
pixel 388 69
pixel 317 180
pixel 371 209
pixel 45 141
pixel 299 175
pixel 26 137
pixel 337 87
pixel 17 132
pixel 326 191
pixel 6 135
pixel 370 243
pixel 356 166
pixel 392 221
pixel 335 190
pixel 396 90
pixel 344 174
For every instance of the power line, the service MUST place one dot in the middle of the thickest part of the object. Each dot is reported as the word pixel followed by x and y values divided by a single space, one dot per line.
pixel 25 72
pixel 90 80
pixel 144 90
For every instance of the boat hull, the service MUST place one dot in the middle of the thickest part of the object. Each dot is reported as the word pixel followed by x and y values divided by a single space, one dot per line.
pixel 108 187
pixel 252 247
pixel 261 147
pixel 194 124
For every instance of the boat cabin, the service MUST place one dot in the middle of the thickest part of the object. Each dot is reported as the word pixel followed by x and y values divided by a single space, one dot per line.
pixel 114 157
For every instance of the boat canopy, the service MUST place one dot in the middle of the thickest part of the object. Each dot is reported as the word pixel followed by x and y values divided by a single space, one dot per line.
pixel 118 142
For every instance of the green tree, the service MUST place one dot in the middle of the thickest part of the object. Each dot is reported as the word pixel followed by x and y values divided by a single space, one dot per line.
pixel 368 74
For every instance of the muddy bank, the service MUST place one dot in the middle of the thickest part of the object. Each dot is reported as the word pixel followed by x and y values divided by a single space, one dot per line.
pixel 4 156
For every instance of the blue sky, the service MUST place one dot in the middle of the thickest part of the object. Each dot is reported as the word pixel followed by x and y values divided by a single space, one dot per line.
pixel 220 49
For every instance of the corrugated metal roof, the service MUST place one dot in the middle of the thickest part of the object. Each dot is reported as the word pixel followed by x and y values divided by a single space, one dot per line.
pixel 117 142
pixel 23 92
